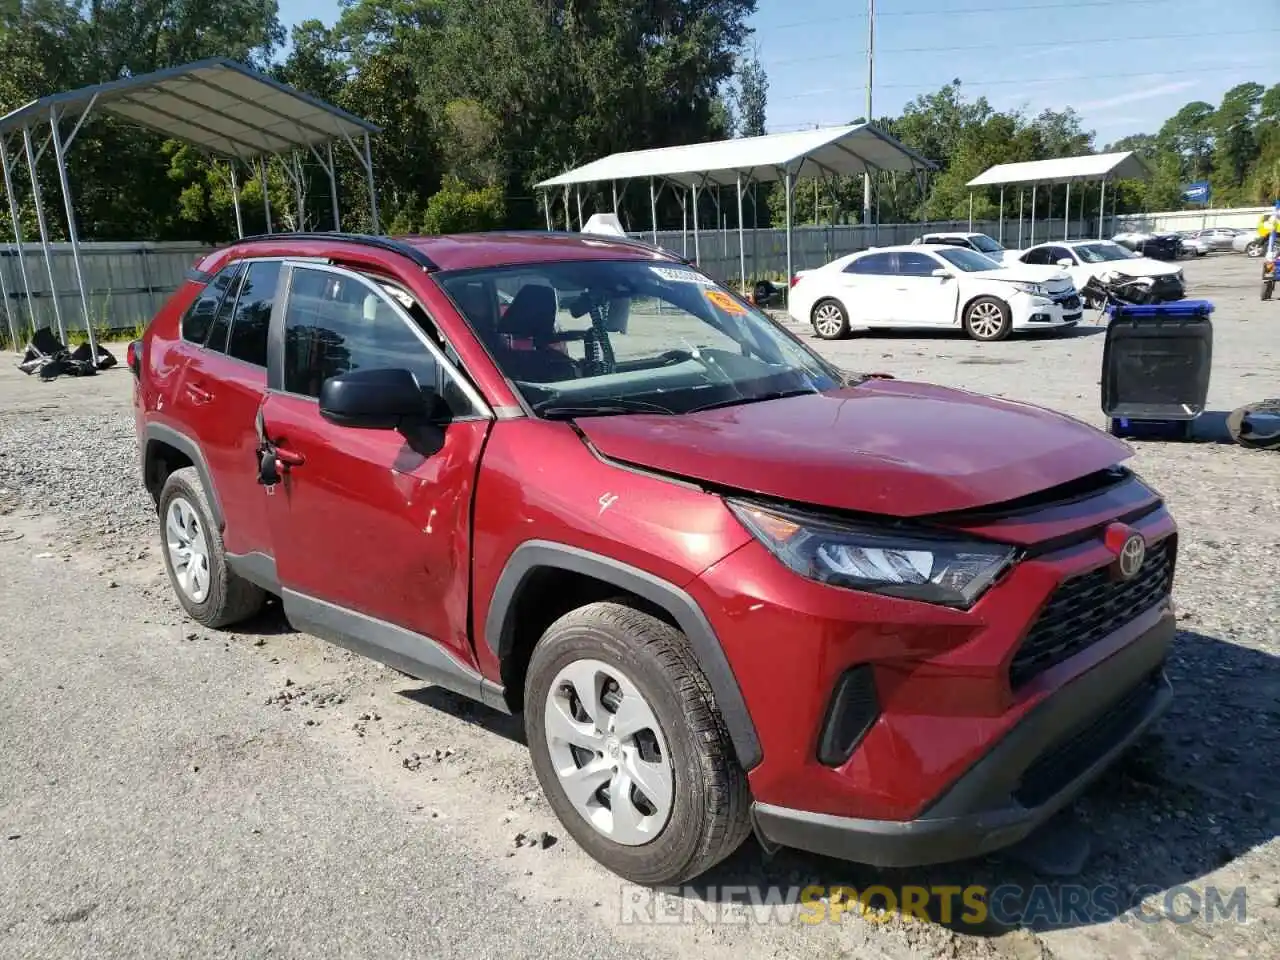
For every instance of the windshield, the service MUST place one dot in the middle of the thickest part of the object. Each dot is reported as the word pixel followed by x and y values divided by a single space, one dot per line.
pixel 597 337
pixel 1103 252
pixel 968 260
pixel 985 243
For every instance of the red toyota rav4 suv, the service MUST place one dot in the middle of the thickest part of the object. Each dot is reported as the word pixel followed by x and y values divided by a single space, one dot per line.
pixel 728 586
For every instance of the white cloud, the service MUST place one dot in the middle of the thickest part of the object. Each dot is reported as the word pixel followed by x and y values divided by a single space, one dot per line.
pixel 1134 96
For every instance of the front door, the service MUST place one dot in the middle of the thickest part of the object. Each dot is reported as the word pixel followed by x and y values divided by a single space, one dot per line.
pixel 371 528
pixel 919 298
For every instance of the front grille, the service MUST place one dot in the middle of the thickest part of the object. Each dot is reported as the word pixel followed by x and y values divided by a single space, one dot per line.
pixel 1087 608
pixel 1071 302
pixel 1167 285
pixel 1055 769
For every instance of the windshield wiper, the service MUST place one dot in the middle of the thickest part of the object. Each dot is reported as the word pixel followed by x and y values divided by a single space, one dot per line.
pixel 758 398
pixel 551 410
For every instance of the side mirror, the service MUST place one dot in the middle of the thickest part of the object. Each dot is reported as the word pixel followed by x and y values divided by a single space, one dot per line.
pixel 942 273
pixel 1066 262
pixel 376 399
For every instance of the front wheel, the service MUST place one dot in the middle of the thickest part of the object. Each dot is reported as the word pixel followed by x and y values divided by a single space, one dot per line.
pixel 988 319
pixel 830 320
pixel 629 747
pixel 1254 249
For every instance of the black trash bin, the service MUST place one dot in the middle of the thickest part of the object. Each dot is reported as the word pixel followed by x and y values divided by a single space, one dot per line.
pixel 1155 367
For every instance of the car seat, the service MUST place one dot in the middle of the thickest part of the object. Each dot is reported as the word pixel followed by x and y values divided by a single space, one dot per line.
pixel 532 317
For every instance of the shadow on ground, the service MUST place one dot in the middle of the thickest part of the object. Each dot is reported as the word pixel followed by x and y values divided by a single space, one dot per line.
pixel 1199 791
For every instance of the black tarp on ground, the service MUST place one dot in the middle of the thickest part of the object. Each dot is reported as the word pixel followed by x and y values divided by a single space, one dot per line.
pixel 47 357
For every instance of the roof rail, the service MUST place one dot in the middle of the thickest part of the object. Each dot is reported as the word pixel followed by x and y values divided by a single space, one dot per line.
pixel 363 239
pixel 605 237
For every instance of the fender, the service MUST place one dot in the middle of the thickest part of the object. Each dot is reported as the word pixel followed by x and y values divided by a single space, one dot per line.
pixel 184 444
pixel 499 627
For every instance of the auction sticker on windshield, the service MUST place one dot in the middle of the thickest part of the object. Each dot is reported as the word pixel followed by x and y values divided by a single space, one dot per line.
pixel 676 275
pixel 725 302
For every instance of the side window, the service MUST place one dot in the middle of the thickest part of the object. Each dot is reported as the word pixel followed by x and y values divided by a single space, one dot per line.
pixel 1037 256
pixel 251 322
pixel 198 319
pixel 334 324
pixel 222 318
pixel 1054 254
pixel 875 263
pixel 912 264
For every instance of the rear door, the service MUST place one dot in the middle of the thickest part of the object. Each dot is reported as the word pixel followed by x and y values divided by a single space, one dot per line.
pixel 222 388
pixel 867 286
pixel 371 529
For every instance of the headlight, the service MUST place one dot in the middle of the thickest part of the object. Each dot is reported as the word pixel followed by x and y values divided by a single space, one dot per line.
pixel 942 570
pixel 1035 289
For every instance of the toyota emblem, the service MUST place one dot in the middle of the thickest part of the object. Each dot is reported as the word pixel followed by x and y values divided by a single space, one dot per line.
pixel 1131 556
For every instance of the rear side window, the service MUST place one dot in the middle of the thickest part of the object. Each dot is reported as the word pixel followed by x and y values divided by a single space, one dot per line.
pixel 875 263
pixel 198 320
pixel 251 320
pixel 222 318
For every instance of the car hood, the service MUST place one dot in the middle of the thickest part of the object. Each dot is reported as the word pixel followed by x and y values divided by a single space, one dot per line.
pixel 1030 273
pixel 886 447
pixel 1137 267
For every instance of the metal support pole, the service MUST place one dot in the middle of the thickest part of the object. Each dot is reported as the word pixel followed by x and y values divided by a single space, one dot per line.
pixel 333 191
pixel 786 184
pixel 1000 238
pixel 568 216
pixel 742 242
pixel 17 228
pixel 60 155
pixel 614 185
pixel 299 192
pixel 871 73
pixel 1021 199
pixel 684 223
pixel 1083 191
pixel 44 230
pixel 1066 215
pixel 235 199
pixel 8 314
pixel 653 210
pixel 373 190
pixel 697 252
pixel 1033 214
pixel 1102 207
pixel 546 206
pixel 577 195
pixel 266 192
pixel 971 211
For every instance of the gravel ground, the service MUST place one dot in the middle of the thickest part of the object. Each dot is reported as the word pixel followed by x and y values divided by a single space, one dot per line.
pixel 169 792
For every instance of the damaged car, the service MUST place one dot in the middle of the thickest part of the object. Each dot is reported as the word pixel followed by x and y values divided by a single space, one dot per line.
pixel 728 586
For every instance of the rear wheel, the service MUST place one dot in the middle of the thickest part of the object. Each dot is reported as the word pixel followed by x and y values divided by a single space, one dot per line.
pixel 629 748
pixel 988 319
pixel 194 557
pixel 830 320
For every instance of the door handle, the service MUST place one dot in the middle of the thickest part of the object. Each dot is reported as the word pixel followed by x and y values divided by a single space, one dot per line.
pixel 198 394
pixel 289 458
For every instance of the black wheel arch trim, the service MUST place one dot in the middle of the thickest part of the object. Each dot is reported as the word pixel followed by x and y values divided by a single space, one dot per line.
pixel 161 433
pixel 532 555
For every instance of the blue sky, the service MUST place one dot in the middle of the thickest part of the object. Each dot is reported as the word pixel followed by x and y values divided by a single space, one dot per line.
pixel 1125 65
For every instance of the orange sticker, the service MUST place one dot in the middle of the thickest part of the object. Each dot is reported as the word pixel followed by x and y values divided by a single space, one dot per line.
pixel 725 302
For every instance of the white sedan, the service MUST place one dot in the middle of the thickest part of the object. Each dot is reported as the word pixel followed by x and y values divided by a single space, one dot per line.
pixel 1086 259
pixel 932 286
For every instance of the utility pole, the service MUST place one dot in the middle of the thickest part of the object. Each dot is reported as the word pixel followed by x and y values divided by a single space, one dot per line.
pixel 871 71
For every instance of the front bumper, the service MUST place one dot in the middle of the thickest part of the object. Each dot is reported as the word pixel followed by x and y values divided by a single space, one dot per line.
pixel 1035 770
pixel 1042 313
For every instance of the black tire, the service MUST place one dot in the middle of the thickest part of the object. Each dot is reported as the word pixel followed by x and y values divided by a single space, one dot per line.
pixel 229 598
pixel 1254 249
pixel 709 816
pixel 976 313
pixel 830 319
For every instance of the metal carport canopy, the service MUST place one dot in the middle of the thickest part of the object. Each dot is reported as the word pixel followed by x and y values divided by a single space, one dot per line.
pixel 219 106
pixel 1102 167
pixel 847 150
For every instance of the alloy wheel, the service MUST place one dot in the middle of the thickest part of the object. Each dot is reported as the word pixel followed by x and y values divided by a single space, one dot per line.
pixel 828 319
pixel 985 320
pixel 188 547
pixel 609 752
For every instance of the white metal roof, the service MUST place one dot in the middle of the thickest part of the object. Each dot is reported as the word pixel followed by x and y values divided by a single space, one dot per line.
pixel 1113 166
pixel 844 150
pixel 218 105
